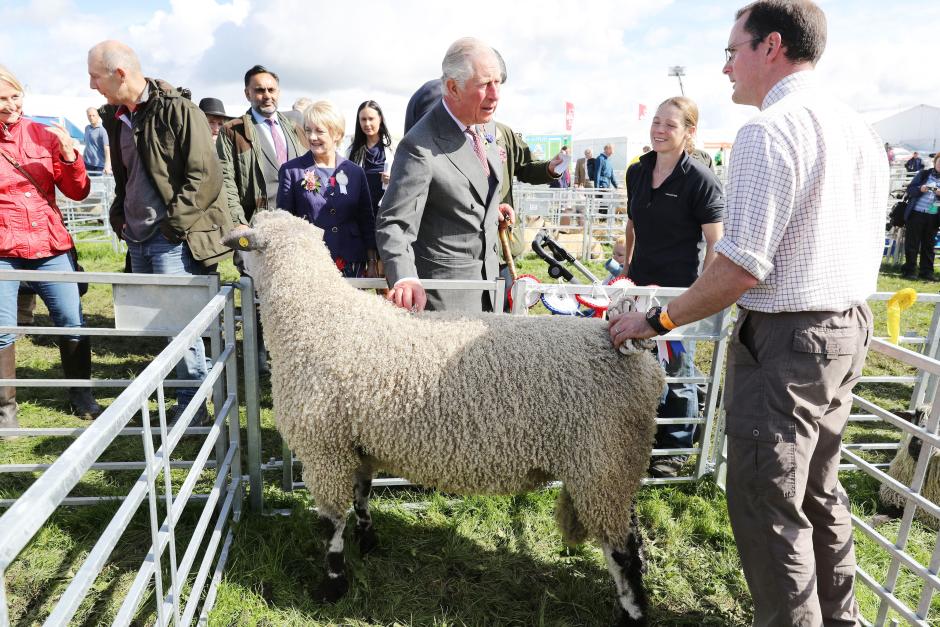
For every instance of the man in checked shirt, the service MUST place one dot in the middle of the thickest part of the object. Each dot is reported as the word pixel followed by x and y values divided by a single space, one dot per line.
pixel 804 229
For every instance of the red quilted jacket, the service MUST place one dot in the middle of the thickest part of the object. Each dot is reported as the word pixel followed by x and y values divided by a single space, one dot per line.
pixel 29 227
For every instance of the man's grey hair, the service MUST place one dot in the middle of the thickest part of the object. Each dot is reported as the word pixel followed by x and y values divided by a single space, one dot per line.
pixel 114 55
pixel 459 58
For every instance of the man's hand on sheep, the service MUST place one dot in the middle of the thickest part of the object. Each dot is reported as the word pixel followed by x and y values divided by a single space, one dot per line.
pixel 627 326
pixel 408 294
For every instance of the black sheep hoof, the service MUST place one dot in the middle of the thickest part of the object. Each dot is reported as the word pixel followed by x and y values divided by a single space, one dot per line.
pixel 367 540
pixel 623 619
pixel 332 590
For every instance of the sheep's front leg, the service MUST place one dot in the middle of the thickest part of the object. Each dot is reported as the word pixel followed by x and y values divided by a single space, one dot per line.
pixel 336 583
pixel 626 566
pixel 365 532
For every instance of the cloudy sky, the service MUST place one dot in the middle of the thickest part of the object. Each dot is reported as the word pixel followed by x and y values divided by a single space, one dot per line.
pixel 605 56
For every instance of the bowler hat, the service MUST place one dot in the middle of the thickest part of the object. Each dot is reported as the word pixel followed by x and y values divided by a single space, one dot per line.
pixel 213 106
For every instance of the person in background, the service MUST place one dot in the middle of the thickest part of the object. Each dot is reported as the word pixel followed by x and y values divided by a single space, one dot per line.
pixel 168 202
pixel 889 152
pixel 301 104
pixel 34 161
pixel 332 193
pixel 704 157
pixel 914 164
pixel 97 155
pixel 674 202
pixel 618 259
pixel 215 115
pixel 921 223
pixel 372 149
pixel 581 176
pixel 604 174
pixel 802 244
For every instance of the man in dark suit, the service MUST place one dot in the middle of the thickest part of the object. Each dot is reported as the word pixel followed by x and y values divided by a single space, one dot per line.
pixel 440 214
pixel 421 102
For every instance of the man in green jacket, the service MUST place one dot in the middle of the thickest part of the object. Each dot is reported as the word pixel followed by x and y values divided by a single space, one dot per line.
pixel 253 147
pixel 167 204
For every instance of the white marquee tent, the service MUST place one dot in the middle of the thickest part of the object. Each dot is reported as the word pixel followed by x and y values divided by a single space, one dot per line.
pixel 917 128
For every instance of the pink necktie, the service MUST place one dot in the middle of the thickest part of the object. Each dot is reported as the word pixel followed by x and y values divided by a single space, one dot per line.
pixel 478 149
pixel 279 146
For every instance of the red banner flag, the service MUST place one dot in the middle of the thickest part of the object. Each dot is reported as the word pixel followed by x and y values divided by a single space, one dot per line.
pixel 641 111
pixel 569 116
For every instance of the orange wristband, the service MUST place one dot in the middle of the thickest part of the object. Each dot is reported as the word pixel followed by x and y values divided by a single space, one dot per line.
pixel 665 320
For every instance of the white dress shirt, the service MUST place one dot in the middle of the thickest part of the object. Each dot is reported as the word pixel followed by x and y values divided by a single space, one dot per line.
pixel 806 197
pixel 266 128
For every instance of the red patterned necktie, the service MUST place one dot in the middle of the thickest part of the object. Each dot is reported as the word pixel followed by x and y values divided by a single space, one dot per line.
pixel 478 149
pixel 279 146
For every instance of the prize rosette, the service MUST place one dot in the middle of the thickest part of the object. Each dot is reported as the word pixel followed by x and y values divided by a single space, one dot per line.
pixel 532 297
pixel 560 303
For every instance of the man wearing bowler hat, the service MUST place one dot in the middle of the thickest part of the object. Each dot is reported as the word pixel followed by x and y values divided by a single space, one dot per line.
pixel 215 113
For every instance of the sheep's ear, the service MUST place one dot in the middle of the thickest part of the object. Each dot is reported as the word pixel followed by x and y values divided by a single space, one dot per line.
pixel 243 238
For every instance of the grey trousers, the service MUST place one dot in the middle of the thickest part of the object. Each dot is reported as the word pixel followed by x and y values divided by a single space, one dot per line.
pixel 789 384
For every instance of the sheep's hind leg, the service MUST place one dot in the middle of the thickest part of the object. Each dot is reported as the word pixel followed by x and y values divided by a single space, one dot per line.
pixel 365 532
pixel 336 583
pixel 626 566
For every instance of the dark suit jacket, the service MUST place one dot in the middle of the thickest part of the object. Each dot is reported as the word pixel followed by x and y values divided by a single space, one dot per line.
pixel 439 215
pixel 346 219
pixel 421 102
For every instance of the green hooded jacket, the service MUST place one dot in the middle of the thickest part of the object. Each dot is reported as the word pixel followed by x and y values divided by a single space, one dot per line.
pixel 176 150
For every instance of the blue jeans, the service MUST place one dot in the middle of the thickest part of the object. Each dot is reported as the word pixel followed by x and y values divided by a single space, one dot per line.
pixel 61 299
pixel 679 400
pixel 158 255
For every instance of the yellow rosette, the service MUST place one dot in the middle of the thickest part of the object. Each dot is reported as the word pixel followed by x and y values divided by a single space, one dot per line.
pixel 901 300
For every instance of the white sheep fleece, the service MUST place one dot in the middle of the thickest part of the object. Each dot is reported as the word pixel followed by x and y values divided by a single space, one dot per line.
pixel 468 404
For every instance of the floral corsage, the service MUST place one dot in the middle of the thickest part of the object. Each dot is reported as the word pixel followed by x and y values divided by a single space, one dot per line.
pixel 312 181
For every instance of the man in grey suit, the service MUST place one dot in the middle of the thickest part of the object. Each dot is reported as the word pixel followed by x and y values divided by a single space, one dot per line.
pixel 440 214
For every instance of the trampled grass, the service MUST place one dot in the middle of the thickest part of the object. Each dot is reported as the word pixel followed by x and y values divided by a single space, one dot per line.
pixel 442 560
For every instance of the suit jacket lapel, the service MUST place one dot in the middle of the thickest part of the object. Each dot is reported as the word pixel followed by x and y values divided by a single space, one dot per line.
pixel 290 136
pixel 266 148
pixel 454 144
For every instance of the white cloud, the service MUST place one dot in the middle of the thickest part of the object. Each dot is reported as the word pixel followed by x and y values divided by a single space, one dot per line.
pixel 605 57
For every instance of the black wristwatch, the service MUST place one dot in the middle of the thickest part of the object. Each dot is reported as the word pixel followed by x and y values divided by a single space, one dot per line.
pixel 652 319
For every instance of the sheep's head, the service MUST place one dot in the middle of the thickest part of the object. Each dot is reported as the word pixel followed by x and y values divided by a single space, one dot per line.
pixel 283 235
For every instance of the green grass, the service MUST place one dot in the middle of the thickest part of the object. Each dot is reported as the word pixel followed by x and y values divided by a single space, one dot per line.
pixel 442 560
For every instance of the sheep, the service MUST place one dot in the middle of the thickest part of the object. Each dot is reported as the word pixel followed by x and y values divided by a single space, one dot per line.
pixel 902 469
pixel 467 404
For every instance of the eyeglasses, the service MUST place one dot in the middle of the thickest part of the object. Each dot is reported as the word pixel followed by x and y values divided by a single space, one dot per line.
pixel 732 50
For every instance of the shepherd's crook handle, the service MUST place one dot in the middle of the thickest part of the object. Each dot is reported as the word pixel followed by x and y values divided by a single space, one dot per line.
pixel 507 255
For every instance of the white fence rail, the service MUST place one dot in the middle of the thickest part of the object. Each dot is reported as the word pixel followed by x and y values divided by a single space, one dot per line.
pixel 222 504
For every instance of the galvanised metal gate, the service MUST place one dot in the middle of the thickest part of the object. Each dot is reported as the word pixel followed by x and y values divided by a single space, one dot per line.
pixel 187 588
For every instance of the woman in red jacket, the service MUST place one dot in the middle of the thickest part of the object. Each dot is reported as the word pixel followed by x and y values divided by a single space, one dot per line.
pixel 34 160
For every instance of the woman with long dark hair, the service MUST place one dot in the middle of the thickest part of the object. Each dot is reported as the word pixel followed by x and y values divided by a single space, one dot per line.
pixel 372 149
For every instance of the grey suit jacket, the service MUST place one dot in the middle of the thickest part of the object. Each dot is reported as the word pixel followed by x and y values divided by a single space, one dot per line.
pixel 267 161
pixel 439 216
